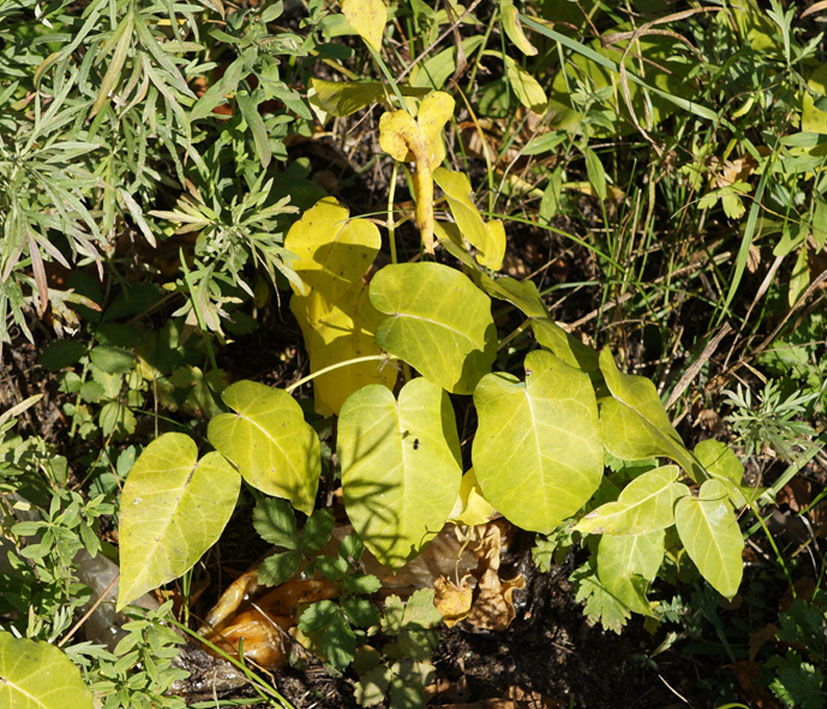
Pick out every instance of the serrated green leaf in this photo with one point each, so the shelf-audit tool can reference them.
(277, 568)
(372, 686)
(538, 441)
(173, 508)
(709, 530)
(361, 612)
(362, 583)
(599, 605)
(634, 422)
(275, 523)
(317, 531)
(400, 466)
(645, 505)
(112, 360)
(270, 443)
(37, 675)
(440, 323)
(626, 565)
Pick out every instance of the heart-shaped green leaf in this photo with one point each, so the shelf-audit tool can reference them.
(626, 565)
(400, 466)
(709, 530)
(645, 505)
(37, 675)
(634, 422)
(537, 453)
(173, 508)
(267, 438)
(440, 323)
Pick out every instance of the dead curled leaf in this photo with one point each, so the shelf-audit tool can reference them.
(419, 141)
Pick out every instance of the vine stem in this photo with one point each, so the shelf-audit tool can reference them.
(345, 363)
(391, 223)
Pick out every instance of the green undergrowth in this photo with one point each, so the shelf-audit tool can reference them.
(561, 263)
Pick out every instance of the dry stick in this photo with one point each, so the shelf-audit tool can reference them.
(91, 610)
(694, 368)
(633, 38)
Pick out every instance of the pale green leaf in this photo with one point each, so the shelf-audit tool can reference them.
(513, 30)
(249, 111)
(439, 323)
(565, 345)
(645, 505)
(709, 530)
(269, 442)
(525, 86)
(173, 508)
(37, 675)
(487, 239)
(400, 466)
(341, 98)
(634, 422)
(720, 462)
(800, 277)
(522, 294)
(596, 173)
(626, 565)
(537, 453)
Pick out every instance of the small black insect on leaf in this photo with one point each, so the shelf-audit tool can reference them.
(416, 444)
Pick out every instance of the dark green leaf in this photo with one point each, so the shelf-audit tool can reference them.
(275, 523)
(276, 569)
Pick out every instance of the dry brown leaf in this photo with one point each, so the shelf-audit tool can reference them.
(759, 638)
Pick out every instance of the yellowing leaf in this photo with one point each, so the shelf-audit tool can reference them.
(269, 442)
(471, 508)
(453, 602)
(336, 332)
(513, 30)
(812, 119)
(420, 141)
(38, 675)
(173, 508)
(368, 18)
(400, 466)
(489, 239)
(525, 86)
(336, 317)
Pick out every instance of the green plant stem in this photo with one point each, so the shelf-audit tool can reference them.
(778, 556)
(391, 223)
(256, 682)
(197, 310)
(384, 69)
(345, 363)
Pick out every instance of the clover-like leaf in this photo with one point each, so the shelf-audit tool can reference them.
(537, 453)
(38, 675)
(645, 505)
(634, 422)
(400, 466)
(269, 442)
(709, 530)
(440, 322)
(173, 508)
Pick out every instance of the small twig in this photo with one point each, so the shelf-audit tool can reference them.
(695, 367)
(91, 610)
